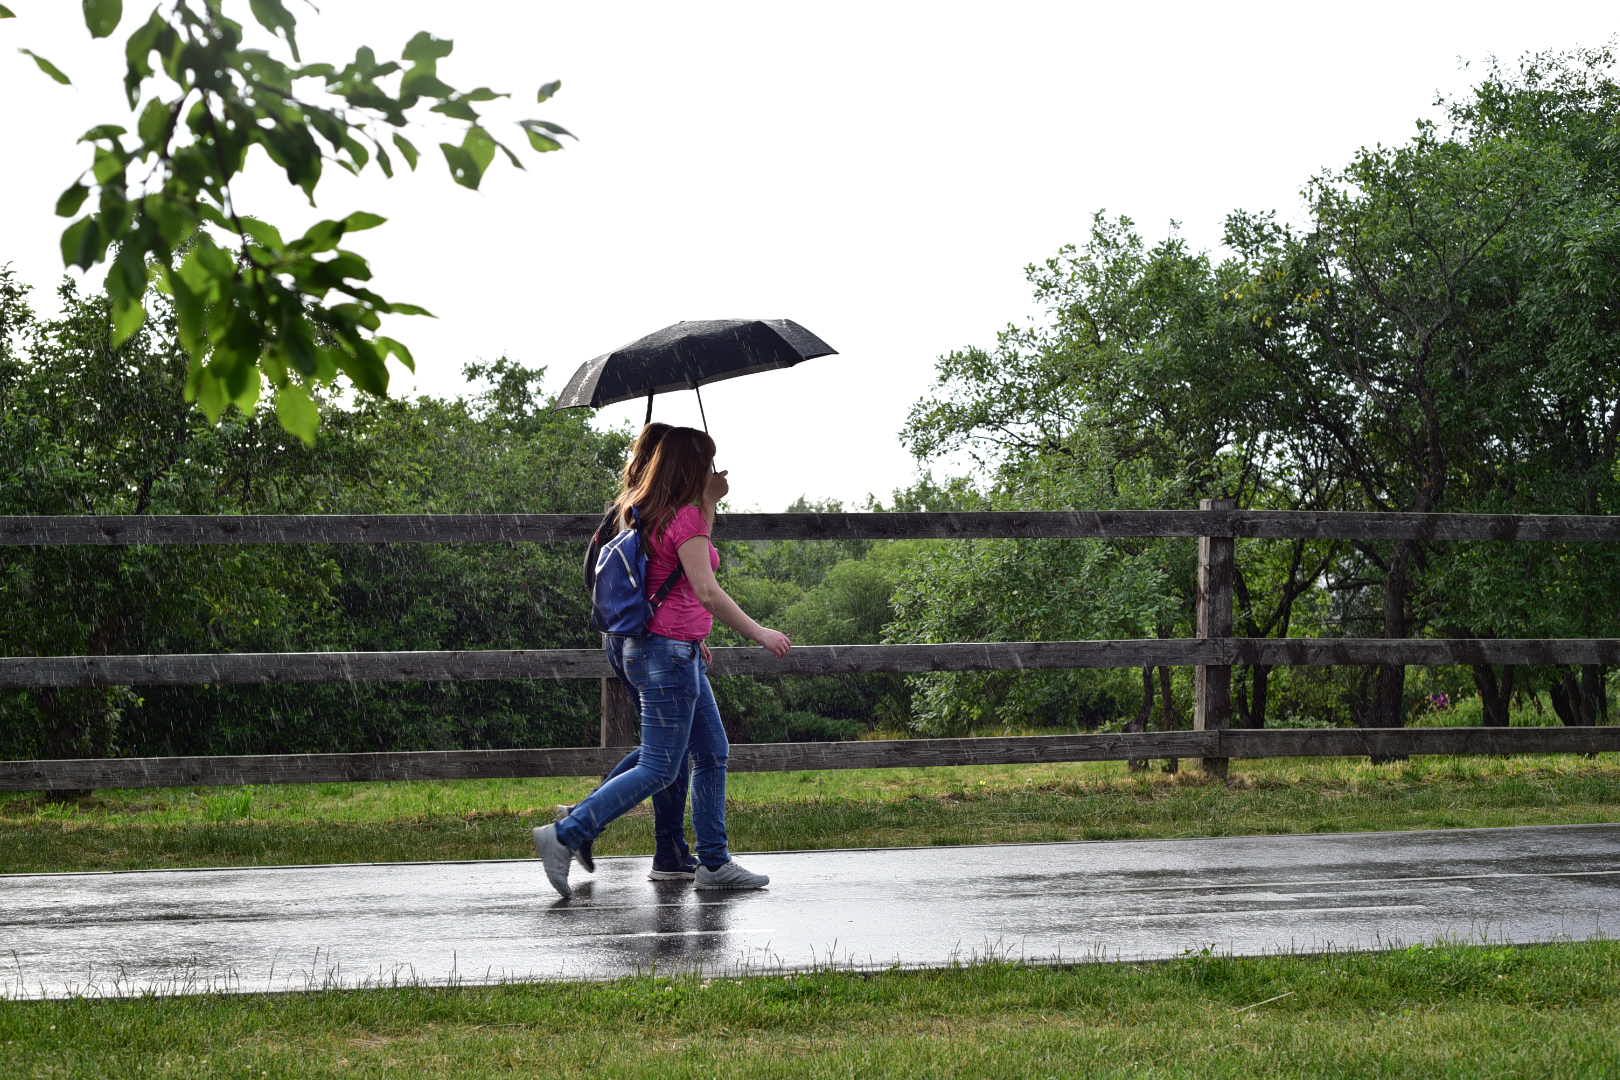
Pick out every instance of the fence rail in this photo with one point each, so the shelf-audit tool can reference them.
(102, 530)
(220, 669)
(1217, 525)
(79, 774)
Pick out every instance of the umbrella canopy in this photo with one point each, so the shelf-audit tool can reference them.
(687, 355)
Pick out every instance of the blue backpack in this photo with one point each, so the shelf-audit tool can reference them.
(616, 575)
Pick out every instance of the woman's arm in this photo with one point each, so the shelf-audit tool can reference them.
(694, 555)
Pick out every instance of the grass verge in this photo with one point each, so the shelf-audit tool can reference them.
(1425, 1012)
(384, 822)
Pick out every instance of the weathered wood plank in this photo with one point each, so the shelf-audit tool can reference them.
(101, 773)
(189, 669)
(1328, 652)
(1376, 742)
(1212, 684)
(548, 528)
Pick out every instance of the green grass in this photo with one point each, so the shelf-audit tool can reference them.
(383, 822)
(1424, 1012)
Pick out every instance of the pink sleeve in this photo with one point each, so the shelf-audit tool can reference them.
(688, 522)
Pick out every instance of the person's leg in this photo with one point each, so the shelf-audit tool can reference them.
(665, 675)
(709, 753)
(671, 857)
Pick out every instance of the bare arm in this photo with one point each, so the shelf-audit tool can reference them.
(694, 555)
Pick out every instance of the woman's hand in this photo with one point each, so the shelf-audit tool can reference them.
(774, 641)
(703, 648)
(716, 487)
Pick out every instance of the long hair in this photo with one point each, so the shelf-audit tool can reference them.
(641, 452)
(674, 477)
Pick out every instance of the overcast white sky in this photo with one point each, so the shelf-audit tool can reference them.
(880, 172)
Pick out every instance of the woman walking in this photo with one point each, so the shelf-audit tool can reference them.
(672, 859)
(669, 668)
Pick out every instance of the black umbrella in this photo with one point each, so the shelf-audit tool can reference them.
(687, 355)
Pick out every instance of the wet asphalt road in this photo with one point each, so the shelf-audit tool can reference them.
(300, 928)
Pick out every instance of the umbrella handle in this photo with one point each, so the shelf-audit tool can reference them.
(647, 421)
(699, 394)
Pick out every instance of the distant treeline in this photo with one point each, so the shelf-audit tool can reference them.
(1441, 334)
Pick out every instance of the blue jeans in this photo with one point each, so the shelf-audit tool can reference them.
(669, 804)
(678, 717)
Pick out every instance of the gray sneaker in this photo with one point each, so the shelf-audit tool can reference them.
(582, 854)
(729, 876)
(555, 856)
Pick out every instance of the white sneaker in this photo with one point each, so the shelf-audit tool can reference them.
(555, 856)
(729, 876)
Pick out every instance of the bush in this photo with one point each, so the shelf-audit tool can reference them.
(801, 727)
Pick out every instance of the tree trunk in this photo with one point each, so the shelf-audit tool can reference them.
(1493, 694)
(1391, 687)
(1170, 721)
(1262, 690)
(1594, 696)
(1580, 700)
(1142, 714)
(1389, 693)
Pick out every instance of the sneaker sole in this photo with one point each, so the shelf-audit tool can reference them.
(671, 875)
(731, 888)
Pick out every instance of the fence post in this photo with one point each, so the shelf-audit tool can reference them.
(1213, 683)
(621, 718)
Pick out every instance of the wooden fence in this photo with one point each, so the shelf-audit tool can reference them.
(1217, 527)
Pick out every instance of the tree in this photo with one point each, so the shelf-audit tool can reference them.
(1443, 334)
(251, 304)
(87, 428)
(1440, 335)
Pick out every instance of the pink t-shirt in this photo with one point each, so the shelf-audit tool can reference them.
(681, 616)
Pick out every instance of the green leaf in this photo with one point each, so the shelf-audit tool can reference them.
(273, 16)
(361, 220)
(547, 125)
(542, 142)
(138, 53)
(5, 12)
(108, 165)
(297, 413)
(547, 90)
(480, 144)
(47, 67)
(154, 122)
(424, 47)
(456, 109)
(389, 345)
(409, 309)
(266, 234)
(82, 243)
(407, 150)
(71, 199)
(110, 132)
(207, 389)
(102, 16)
(363, 363)
(172, 216)
(191, 313)
(463, 168)
(128, 315)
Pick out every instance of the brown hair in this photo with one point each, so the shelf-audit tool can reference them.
(641, 452)
(674, 477)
